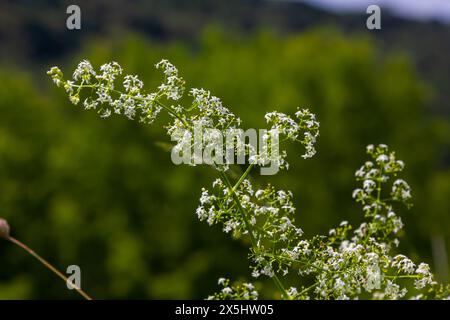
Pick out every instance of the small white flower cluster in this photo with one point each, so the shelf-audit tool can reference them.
(343, 269)
(391, 291)
(401, 190)
(267, 212)
(203, 127)
(83, 72)
(403, 264)
(423, 275)
(377, 172)
(377, 204)
(207, 117)
(173, 86)
(343, 265)
(211, 112)
(238, 291)
(108, 99)
(304, 130)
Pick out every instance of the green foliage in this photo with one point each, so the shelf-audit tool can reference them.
(103, 195)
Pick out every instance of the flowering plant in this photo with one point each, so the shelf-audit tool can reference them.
(345, 264)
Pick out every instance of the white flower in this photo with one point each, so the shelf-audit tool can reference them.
(426, 277)
(292, 291)
(358, 194)
(369, 185)
(106, 113)
(401, 190)
(404, 264)
(259, 194)
(292, 129)
(392, 290)
(227, 290)
(382, 158)
(84, 71)
(373, 276)
(132, 84)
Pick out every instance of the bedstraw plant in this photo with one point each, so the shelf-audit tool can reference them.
(347, 263)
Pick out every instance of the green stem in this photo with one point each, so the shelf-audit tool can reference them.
(377, 201)
(168, 109)
(413, 276)
(280, 286)
(247, 222)
(239, 205)
(309, 288)
(246, 173)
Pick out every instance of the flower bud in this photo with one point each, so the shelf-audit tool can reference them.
(4, 228)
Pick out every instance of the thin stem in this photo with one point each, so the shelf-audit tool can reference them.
(377, 201)
(49, 266)
(309, 288)
(168, 109)
(246, 173)
(248, 226)
(240, 209)
(305, 262)
(280, 286)
(410, 276)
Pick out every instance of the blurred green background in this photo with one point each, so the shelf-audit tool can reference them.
(103, 194)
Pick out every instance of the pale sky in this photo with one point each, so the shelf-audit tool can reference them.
(415, 9)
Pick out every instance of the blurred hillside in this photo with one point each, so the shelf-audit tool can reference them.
(33, 31)
(103, 194)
